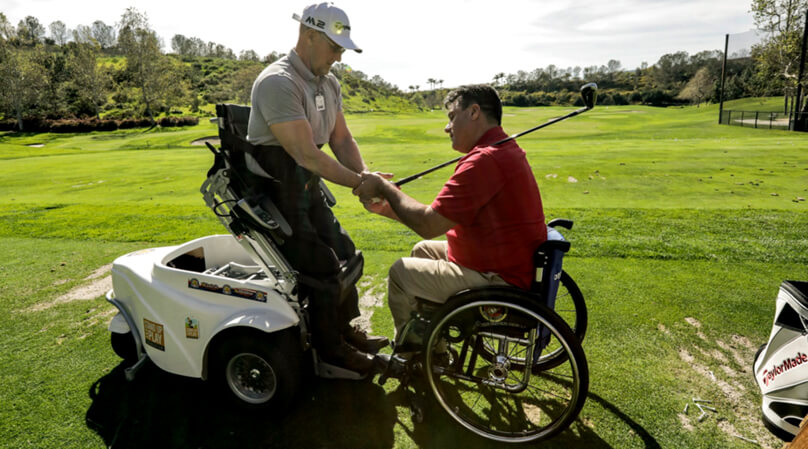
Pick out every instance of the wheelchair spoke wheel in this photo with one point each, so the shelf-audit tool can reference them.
(476, 354)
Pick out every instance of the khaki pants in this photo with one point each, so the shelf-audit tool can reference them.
(428, 275)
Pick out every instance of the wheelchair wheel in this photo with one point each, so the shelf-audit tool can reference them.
(491, 393)
(570, 306)
(258, 371)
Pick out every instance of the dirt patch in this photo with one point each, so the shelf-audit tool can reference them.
(213, 140)
(661, 327)
(685, 422)
(685, 356)
(743, 341)
(739, 359)
(101, 283)
(693, 322)
(372, 298)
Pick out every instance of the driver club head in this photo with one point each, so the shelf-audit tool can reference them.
(589, 93)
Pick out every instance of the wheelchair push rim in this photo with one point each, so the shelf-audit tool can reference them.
(495, 397)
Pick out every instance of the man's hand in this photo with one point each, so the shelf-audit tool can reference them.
(370, 189)
(370, 193)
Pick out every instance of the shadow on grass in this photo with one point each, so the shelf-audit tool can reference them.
(439, 431)
(158, 409)
(163, 410)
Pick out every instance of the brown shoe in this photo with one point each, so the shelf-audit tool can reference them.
(350, 358)
(360, 339)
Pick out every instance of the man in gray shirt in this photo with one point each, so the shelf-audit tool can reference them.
(296, 109)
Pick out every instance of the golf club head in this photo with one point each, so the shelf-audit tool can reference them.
(589, 93)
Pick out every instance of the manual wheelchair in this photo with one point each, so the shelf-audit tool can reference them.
(501, 361)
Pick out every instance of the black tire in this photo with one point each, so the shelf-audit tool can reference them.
(257, 370)
(571, 307)
(123, 345)
(492, 394)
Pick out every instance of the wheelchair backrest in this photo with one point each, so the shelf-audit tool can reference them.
(548, 263)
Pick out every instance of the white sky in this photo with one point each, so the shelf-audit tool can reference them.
(458, 41)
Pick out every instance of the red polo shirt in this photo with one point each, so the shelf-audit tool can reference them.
(495, 201)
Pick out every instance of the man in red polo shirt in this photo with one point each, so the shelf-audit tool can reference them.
(490, 210)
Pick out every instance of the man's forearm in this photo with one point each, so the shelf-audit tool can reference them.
(412, 213)
(330, 169)
(347, 153)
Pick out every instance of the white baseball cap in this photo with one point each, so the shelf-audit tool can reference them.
(330, 20)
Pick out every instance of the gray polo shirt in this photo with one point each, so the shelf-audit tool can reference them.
(285, 91)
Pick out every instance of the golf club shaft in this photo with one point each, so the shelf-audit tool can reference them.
(403, 181)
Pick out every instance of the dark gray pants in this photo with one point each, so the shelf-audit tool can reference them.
(318, 247)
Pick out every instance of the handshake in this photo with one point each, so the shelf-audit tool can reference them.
(373, 192)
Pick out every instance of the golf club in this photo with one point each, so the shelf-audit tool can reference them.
(589, 94)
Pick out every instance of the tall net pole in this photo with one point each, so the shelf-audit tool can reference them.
(723, 75)
(800, 122)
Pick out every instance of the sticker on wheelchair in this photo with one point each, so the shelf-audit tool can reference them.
(494, 314)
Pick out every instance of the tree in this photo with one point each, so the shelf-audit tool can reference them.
(22, 82)
(180, 45)
(242, 81)
(59, 32)
(103, 34)
(6, 29)
(777, 58)
(248, 55)
(83, 34)
(88, 83)
(699, 87)
(30, 31)
(141, 47)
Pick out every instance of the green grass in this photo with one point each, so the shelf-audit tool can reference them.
(684, 230)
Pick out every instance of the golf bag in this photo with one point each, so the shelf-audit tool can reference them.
(781, 365)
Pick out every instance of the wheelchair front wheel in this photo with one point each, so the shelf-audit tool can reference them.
(475, 356)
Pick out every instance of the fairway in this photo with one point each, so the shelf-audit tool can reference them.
(684, 230)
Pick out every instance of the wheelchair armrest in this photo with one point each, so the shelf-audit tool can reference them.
(267, 216)
(329, 197)
(351, 270)
(548, 249)
(563, 222)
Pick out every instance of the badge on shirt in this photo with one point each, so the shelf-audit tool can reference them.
(319, 102)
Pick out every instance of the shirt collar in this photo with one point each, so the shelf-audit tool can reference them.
(491, 136)
(301, 68)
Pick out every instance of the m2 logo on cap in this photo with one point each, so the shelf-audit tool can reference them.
(315, 22)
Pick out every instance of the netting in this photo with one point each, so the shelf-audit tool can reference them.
(740, 45)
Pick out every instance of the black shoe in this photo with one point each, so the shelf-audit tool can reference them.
(360, 339)
(350, 358)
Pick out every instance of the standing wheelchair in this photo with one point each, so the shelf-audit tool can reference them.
(505, 363)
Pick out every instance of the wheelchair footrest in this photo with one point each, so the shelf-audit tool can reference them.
(329, 371)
